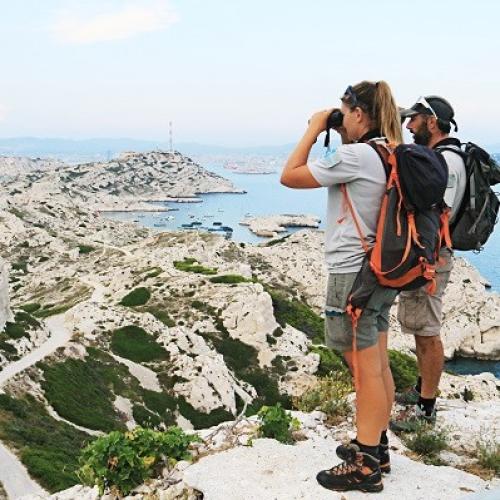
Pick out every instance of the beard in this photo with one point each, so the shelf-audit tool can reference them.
(422, 135)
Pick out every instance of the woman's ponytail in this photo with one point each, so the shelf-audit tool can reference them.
(386, 113)
(376, 99)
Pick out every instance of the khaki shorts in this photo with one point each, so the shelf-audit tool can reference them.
(420, 313)
(338, 326)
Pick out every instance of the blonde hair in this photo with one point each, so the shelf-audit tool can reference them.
(376, 99)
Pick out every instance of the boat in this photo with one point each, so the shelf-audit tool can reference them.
(217, 224)
(227, 229)
(196, 223)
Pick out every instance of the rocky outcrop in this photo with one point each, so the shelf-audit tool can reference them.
(471, 314)
(271, 225)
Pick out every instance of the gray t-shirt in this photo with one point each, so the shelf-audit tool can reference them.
(361, 169)
(457, 179)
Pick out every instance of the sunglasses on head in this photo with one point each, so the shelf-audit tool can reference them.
(423, 102)
(351, 98)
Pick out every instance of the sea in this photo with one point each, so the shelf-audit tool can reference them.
(264, 195)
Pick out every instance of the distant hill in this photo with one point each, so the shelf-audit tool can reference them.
(106, 148)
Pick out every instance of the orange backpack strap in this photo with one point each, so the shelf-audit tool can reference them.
(348, 202)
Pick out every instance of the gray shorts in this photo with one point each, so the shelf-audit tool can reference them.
(338, 326)
(420, 313)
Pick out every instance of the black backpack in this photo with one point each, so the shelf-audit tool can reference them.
(478, 212)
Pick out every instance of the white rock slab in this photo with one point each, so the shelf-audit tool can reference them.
(271, 471)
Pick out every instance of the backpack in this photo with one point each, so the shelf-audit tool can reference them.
(411, 228)
(477, 215)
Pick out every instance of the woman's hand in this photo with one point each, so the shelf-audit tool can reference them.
(317, 122)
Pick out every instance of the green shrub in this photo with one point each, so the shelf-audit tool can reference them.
(83, 249)
(329, 395)
(137, 297)
(121, 461)
(277, 423)
(330, 360)
(298, 315)
(23, 322)
(21, 265)
(189, 265)
(48, 448)
(30, 308)
(229, 279)
(404, 370)
(427, 441)
(488, 456)
(133, 343)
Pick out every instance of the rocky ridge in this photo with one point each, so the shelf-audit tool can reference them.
(211, 311)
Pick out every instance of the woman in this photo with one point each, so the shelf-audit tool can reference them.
(369, 114)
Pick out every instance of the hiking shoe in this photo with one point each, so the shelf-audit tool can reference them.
(344, 451)
(411, 420)
(384, 458)
(360, 471)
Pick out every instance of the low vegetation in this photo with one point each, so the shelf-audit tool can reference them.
(134, 343)
(190, 265)
(23, 323)
(121, 461)
(329, 395)
(137, 297)
(488, 456)
(230, 279)
(83, 390)
(297, 314)
(404, 370)
(160, 314)
(427, 441)
(330, 361)
(277, 423)
(84, 249)
(48, 448)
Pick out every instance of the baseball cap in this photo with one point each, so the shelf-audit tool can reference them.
(432, 105)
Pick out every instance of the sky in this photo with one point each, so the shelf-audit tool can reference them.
(235, 72)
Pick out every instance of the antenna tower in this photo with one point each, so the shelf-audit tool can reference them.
(170, 136)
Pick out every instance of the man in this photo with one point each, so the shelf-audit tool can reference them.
(419, 313)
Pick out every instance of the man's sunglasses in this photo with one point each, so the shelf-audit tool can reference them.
(423, 102)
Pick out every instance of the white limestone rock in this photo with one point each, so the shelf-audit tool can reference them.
(271, 225)
(5, 312)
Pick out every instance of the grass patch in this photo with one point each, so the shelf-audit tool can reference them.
(191, 266)
(488, 456)
(134, 343)
(48, 448)
(229, 279)
(330, 396)
(137, 297)
(298, 315)
(426, 441)
(404, 370)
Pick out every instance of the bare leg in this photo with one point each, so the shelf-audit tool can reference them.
(371, 399)
(386, 375)
(430, 357)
